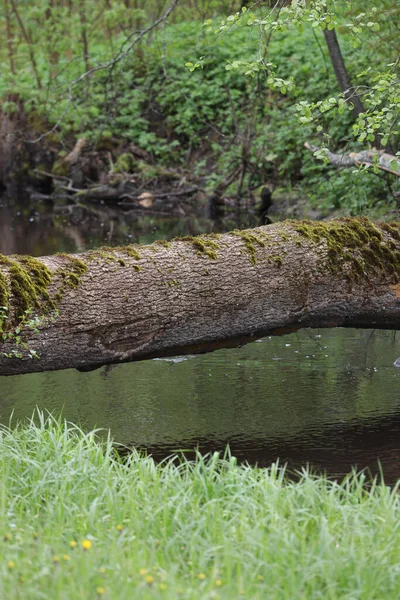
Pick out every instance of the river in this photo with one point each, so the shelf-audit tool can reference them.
(328, 399)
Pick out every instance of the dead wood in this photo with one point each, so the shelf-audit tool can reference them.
(199, 294)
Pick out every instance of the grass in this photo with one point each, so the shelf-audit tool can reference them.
(77, 522)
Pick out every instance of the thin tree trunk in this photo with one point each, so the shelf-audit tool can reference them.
(199, 294)
(52, 53)
(344, 81)
(29, 43)
(129, 12)
(85, 43)
(10, 46)
(341, 72)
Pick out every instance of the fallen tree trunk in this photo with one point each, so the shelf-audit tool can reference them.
(197, 294)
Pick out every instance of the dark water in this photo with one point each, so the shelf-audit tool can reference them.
(326, 398)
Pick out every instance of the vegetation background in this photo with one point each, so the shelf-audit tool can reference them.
(66, 74)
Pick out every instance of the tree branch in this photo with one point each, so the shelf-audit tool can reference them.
(376, 158)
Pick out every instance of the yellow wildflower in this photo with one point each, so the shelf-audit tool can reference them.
(65, 557)
(56, 559)
(142, 571)
(11, 564)
(149, 579)
(72, 544)
(218, 582)
(7, 537)
(100, 590)
(86, 544)
(119, 528)
(201, 576)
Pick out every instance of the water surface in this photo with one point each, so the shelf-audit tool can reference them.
(329, 399)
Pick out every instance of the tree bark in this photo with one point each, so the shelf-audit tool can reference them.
(199, 294)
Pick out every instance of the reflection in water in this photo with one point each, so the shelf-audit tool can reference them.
(40, 230)
(371, 445)
(329, 398)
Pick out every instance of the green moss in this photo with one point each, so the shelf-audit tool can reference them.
(164, 243)
(106, 257)
(275, 260)
(148, 172)
(110, 255)
(392, 229)
(203, 245)
(207, 247)
(60, 167)
(73, 271)
(130, 251)
(39, 272)
(4, 293)
(125, 163)
(29, 280)
(356, 247)
(172, 282)
(251, 240)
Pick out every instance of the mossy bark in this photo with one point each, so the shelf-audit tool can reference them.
(198, 294)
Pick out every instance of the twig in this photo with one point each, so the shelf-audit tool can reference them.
(52, 175)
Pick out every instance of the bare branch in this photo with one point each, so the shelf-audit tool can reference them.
(376, 158)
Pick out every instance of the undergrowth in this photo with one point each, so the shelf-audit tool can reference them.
(213, 120)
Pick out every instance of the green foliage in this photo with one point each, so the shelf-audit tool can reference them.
(235, 103)
(14, 334)
(349, 192)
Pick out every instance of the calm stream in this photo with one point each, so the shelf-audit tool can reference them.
(327, 398)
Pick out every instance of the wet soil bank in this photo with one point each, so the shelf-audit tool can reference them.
(71, 174)
(35, 162)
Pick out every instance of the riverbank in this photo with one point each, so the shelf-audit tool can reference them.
(156, 135)
(78, 522)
